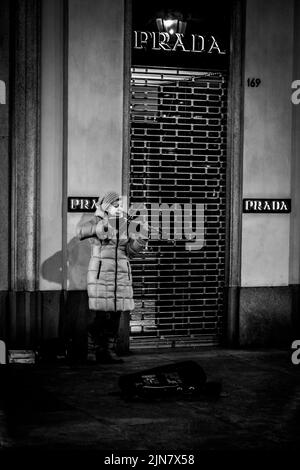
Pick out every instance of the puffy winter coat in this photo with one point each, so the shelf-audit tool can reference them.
(109, 280)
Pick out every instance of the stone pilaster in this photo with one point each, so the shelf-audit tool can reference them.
(25, 149)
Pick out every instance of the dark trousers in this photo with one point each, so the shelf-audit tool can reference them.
(103, 330)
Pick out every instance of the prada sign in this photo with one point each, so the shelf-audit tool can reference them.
(267, 206)
(82, 204)
(178, 42)
(181, 34)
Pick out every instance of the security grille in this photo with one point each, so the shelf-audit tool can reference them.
(178, 156)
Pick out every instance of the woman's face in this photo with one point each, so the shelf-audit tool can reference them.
(115, 209)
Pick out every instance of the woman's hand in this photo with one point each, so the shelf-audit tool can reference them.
(99, 212)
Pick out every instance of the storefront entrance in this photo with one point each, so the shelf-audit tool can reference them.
(178, 121)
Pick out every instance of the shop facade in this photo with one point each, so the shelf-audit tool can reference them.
(104, 95)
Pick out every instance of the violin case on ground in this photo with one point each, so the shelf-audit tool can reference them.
(185, 379)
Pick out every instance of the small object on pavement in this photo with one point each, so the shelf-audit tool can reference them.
(2, 352)
(21, 356)
(185, 379)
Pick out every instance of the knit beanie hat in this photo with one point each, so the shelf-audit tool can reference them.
(108, 199)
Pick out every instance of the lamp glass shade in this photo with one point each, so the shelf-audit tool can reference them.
(170, 26)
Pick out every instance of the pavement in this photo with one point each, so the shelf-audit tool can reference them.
(52, 407)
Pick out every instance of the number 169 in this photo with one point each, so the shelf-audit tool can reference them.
(253, 82)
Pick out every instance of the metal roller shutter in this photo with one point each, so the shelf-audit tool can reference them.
(178, 155)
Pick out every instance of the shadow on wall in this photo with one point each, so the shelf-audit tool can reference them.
(78, 256)
(64, 316)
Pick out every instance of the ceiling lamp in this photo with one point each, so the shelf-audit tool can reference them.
(170, 25)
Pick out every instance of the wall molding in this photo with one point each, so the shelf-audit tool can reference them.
(126, 97)
(4, 146)
(25, 144)
(294, 277)
(268, 316)
(235, 170)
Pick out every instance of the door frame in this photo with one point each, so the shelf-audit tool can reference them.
(234, 176)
